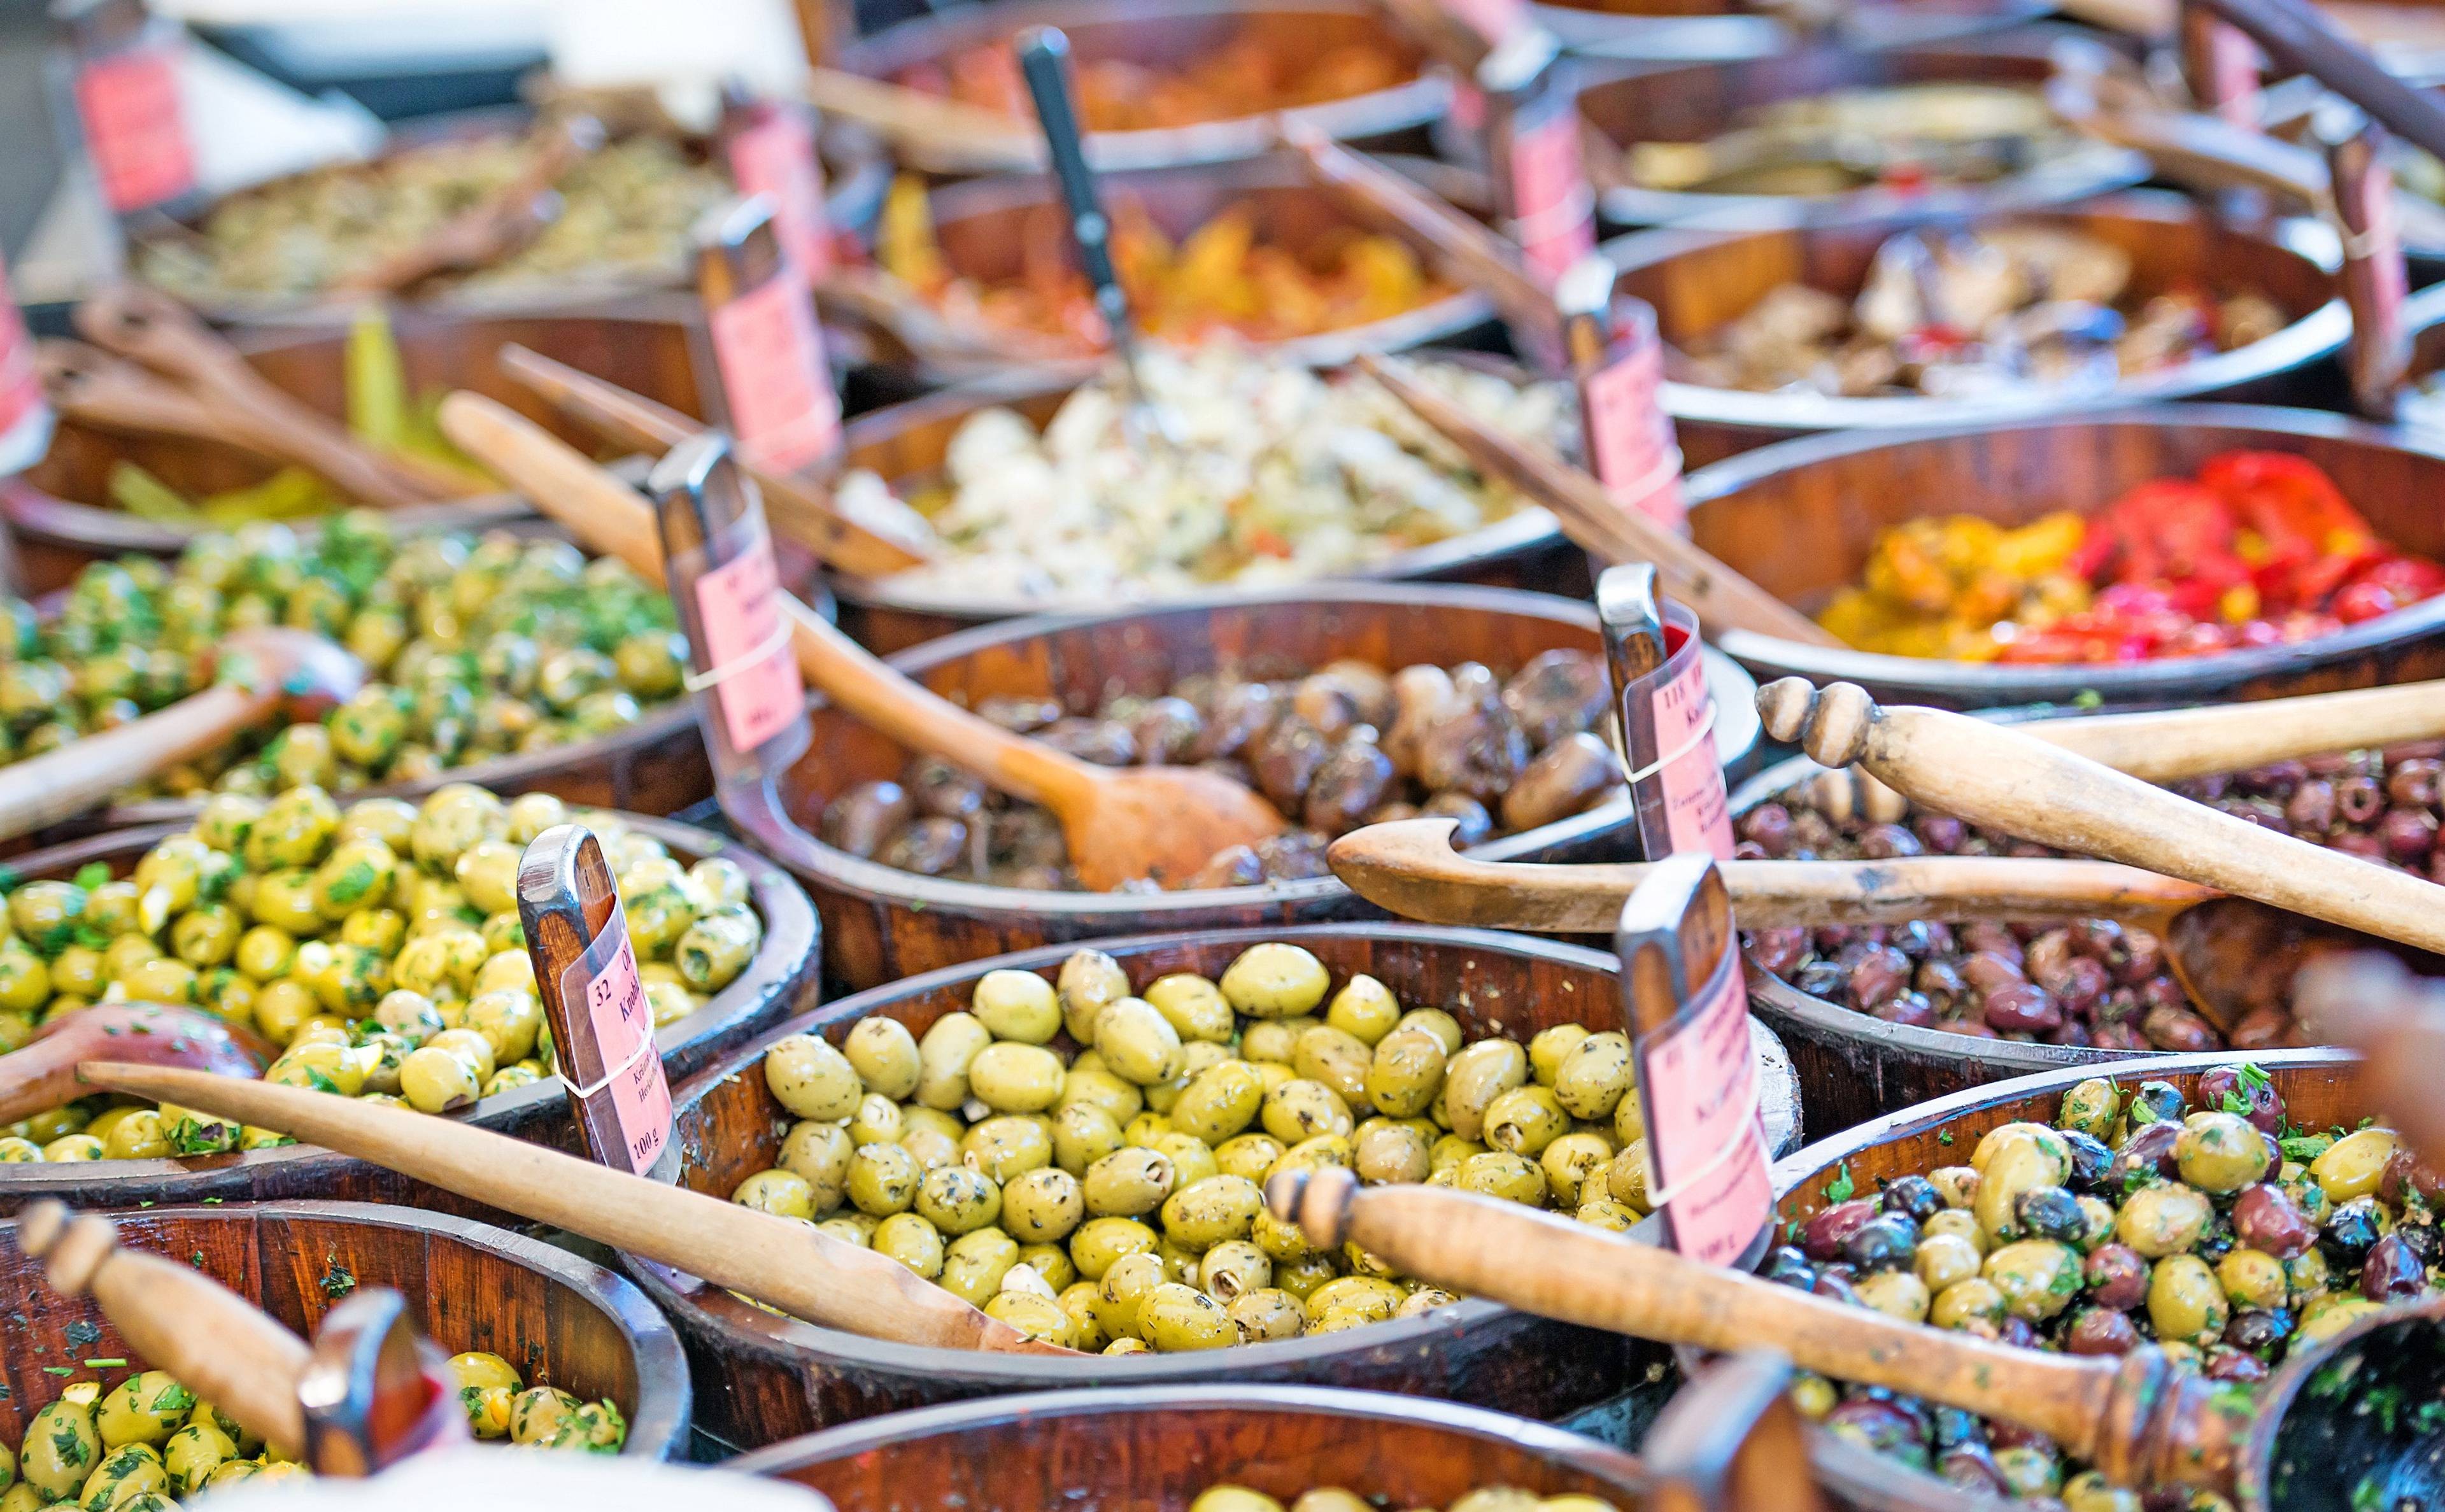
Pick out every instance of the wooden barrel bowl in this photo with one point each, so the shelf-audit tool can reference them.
(780, 980)
(654, 766)
(1167, 34)
(856, 170)
(1800, 518)
(559, 1319)
(2321, 1087)
(1695, 102)
(1148, 1449)
(881, 924)
(1698, 279)
(904, 443)
(767, 1377)
(1715, 31)
(986, 225)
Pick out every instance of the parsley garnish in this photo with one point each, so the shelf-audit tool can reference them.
(106, 1364)
(2385, 1402)
(67, 1443)
(82, 1333)
(2142, 1111)
(59, 1370)
(339, 1280)
(173, 1398)
(93, 874)
(1842, 1187)
(1944, 1136)
(2253, 1078)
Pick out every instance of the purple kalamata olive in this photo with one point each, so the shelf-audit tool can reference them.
(2359, 800)
(2356, 842)
(2254, 1097)
(2177, 1029)
(1940, 979)
(1915, 1197)
(2149, 1148)
(1970, 1467)
(1880, 973)
(2414, 782)
(2408, 835)
(1941, 833)
(2223, 1363)
(2143, 957)
(1882, 1427)
(2022, 1335)
(1769, 826)
(865, 818)
(2083, 985)
(2020, 1009)
(2276, 776)
(1987, 970)
(2392, 1272)
(1474, 824)
(2258, 1330)
(2050, 1212)
(2351, 1232)
(1836, 1288)
(1910, 1010)
(1826, 1231)
(1776, 952)
(2119, 1036)
(2312, 808)
(2048, 956)
(2097, 939)
(1887, 842)
(1165, 730)
(1922, 937)
(1105, 742)
(1884, 1243)
(2117, 1277)
(2101, 1331)
(2404, 1174)
(1992, 939)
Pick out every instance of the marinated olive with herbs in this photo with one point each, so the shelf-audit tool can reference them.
(367, 961)
(2143, 1217)
(1118, 1173)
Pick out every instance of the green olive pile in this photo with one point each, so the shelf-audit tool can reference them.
(379, 943)
(499, 1404)
(149, 1441)
(1334, 1499)
(2213, 1229)
(1109, 1198)
(473, 649)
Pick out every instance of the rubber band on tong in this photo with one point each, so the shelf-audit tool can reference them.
(714, 677)
(1705, 729)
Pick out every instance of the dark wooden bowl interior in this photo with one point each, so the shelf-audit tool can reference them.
(881, 924)
(559, 1320)
(1156, 1450)
(1801, 518)
(781, 980)
(779, 1376)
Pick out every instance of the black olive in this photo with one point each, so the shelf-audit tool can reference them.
(1954, 1426)
(1790, 1267)
(2352, 1230)
(1914, 1197)
(2259, 1330)
(2161, 1099)
(2219, 1238)
(2392, 1272)
(2090, 1159)
(1880, 1427)
(1823, 978)
(2050, 1212)
(1970, 1467)
(2148, 1151)
(1884, 1243)
(2424, 1240)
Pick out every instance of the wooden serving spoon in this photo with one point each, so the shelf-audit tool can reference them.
(504, 221)
(2140, 1420)
(262, 673)
(803, 511)
(149, 328)
(1597, 523)
(368, 1393)
(40, 1074)
(1122, 824)
(2228, 953)
(933, 131)
(1994, 775)
(90, 386)
(180, 1321)
(777, 1260)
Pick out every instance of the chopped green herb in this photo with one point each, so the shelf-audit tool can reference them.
(59, 1370)
(82, 1333)
(93, 874)
(2368, 1496)
(113, 1362)
(1842, 1187)
(2304, 1147)
(2385, 1403)
(2141, 1113)
(1944, 1136)
(339, 1280)
(2088, 698)
(68, 1444)
(2255, 1079)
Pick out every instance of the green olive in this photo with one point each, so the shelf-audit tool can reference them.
(2038, 1278)
(1193, 1005)
(1211, 1211)
(943, 1057)
(1099, 1241)
(976, 1264)
(1015, 1077)
(144, 1408)
(1006, 1146)
(956, 1200)
(1475, 1077)
(1274, 981)
(1043, 1207)
(1594, 1077)
(2220, 1153)
(192, 1454)
(2164, 1217)
(1128, 1183)
(1088, 982)
(60, 1447)
(819, 1154)
(912, 1241)
(2184, 1301)
(1175, 1318)
(1384, 1151)
(883, 1179)
(812, 1079)
(1406, 1073)
(1220, 1102)
(1340, 1061)
(1016, 1005)
(1524, 1120)
(885, 1056)
(1137, 1043)
(2354, 1164)
(1297, 1110)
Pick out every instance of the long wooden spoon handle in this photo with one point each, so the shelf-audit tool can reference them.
(501, 223)
(609, 516)
(1993, 774)
(2232, 737)
(802, 511)
(788, 1264)
(945, 133)
(1409, 868)
(180, 1321)
(63, 783)
(1592, 519)
(88, 384)
(1547, 1264)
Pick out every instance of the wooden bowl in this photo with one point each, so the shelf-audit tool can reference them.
(1696, 101)
(1698, 279)
(59, 510)
(881, 924)
(1143, 1449)
(558, 1319)
(1171, 33)
(856, 170)
(768, 1377)
(1798, 518)
(906, 442)
(1715, 31)
(2319, 1088)
(985, 226)
(780, 980)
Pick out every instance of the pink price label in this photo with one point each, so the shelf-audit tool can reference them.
(1552, 212)
(1628, 436)
(21, 386)
(1704, 1139)
(759, 690)
(771, 354)
(777, 157)
(605, 985)
(1698, 813)
(135, 127)
(2380, 248)
(2232, 73)
(1467, 106)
